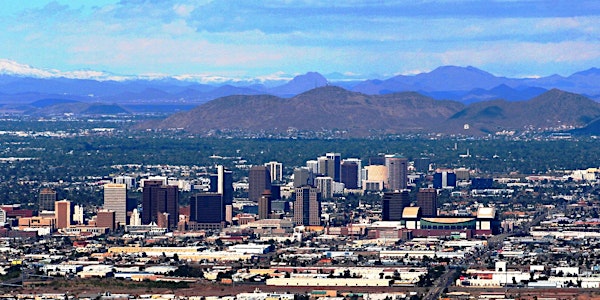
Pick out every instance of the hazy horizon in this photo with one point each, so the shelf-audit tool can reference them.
(252, 39)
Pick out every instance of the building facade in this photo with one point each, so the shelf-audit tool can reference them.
(307, 207)
(63, 211)
(259, 180)
(115, 199)
(393, 204)
(160, 199)
(397, 172)
(276, 171)
(427, 201)
(46, 199)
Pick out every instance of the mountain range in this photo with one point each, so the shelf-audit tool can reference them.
(358, 114)
(22, 84)
(449, 99)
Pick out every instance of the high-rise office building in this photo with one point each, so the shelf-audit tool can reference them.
(444, 179)
(135, 219)
(393, 205)
(313, 166)
(106, 218)
(276, 171)
(129, 181)
(397, 172)
(207, 208)
(307, 207)
(259, 180)
(78, 215)
(158, 198)
(324, 186)
(376, 161)
(427, 202)
(63, 211)
(301, 177)
(422, 164)
(222, 183)
(377, 173)
(350, 173)
(334, 165)
(322, 165)
(46, 199)
(264, 205)
(225, 186)
(115, 199)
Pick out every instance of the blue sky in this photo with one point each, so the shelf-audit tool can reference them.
(234, 38)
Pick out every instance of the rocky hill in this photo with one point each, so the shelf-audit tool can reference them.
(333, 108)
(326, 107)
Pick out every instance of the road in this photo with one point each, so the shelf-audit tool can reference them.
(494, 243)
(440, 285)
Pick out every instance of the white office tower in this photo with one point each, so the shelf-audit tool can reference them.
(135, 218)
(313, 166)
(324, 186)
(220, 179)
(276, 169)
(78, 214)
(115, 199)
(129, 181)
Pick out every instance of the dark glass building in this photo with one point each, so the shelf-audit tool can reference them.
(259, 180)
(393, 205)
(158, 198)
(427, 202)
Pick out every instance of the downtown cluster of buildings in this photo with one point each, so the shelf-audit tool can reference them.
(278, 228)
(301, 199)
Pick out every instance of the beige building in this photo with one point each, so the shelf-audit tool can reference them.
(115, 199)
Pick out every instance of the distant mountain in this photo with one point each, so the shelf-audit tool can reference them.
(42, 103)
(299, 84)
(21, 84)
(326, 107)
(447, 78)
(59, 107)
(502, 91)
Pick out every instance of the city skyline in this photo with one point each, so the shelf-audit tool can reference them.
(359, 39)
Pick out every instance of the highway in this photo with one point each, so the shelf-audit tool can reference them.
(494, 243)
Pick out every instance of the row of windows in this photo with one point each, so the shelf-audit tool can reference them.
(447, 227)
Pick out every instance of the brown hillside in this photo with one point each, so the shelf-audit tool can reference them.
(321, 108)
(552, 109)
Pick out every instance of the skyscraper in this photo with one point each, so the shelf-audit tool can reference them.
(422, 164)
(106, 218)
(264, 205)
(427, 202)
(46, 199)
(259, 180)
(207, 208)
(301, 177)
(444, 179)
(115, 199)
(393, 205)
(276, 171)
(397, 172)
(350, 173)
(159, 199)
(307, 207)
(334, 165)
(313, 166)
(324, 186)
(222, 183)
(63, 211)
